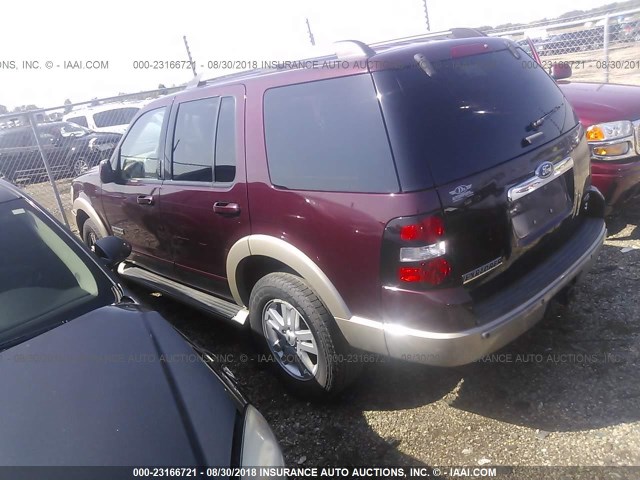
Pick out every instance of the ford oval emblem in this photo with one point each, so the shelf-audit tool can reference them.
(544, 170)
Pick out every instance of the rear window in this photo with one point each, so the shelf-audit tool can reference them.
(117, 116)
(329, 136)
(473, 113)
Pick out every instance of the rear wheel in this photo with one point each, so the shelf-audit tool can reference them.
(301, 338)
(90, 233)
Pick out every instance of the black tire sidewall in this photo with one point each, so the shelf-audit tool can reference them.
(316, 320)
(87, 228)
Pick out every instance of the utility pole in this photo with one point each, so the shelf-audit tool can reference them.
(426, 14)
(191, 62)
(311, 39)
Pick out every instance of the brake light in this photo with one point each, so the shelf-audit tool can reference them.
(436, 271)
(429, 230)
(414, 250)
(433, 272)
(410, 274)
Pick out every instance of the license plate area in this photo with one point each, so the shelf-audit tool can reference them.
(538, 211)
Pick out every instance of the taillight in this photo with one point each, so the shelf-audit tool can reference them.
(413, 252)
(428, 230)
(433, 272)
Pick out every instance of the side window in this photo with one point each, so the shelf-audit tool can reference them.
(139, 153)
(194, 140)
(82, 121)
(225, 159)
(328, 135)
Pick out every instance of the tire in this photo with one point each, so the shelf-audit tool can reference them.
(318, 376)
(90, 233)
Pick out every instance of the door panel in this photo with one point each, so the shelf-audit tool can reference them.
(205, 218)
(132, 204)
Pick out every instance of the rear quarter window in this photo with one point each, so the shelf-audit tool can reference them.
(328, 135)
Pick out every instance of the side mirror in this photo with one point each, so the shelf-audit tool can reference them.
(107, 175)
(112, 250)
(560, 71)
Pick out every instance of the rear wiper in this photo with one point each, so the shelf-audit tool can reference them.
(538, 123)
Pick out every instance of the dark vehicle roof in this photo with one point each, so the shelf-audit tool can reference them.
(391, 54)
(8, 192)
(95, 391)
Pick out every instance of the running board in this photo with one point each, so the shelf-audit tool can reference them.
(185, 294)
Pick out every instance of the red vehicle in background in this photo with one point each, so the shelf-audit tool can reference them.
(610, 115)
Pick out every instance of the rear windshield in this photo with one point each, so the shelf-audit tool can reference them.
(117, 116)
(470, 114)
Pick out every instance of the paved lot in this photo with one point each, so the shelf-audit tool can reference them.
(566, 393)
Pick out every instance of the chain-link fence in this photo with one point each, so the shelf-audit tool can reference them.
(41, 151)
(603, 48)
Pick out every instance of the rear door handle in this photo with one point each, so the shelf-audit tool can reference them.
(226, 208)
(145, 200)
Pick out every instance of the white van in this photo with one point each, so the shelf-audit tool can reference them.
(111, 117)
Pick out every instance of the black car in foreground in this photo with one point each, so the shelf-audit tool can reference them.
(69, 148)
(90, 377)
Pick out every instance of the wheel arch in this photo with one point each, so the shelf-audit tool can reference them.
(83, 208)
(281, 256)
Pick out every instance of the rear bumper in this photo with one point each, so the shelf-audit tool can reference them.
(465, 346)
(617, 181)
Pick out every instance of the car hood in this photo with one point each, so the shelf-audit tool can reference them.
(602, 102)
(118, 386)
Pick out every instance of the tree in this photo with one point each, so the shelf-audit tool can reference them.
(3, 110)
(163, 89)
(25, 108)
(67, 107)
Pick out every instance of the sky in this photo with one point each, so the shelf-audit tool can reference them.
(118, 33)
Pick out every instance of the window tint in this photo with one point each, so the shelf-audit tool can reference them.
(472, 114)
(37, 262)
(193, 140)
(328, 135)
(82, 121)
(22, 137)
(225, 160)
(117, 116)
(139, 153)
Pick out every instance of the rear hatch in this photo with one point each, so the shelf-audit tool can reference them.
(497, 140)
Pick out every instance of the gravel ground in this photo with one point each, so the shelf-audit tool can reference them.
(566, 393)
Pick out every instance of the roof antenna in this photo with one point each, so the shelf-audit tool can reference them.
(424, 64)
(191, 62)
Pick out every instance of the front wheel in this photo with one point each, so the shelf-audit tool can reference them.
(90, 233)
(298, 334)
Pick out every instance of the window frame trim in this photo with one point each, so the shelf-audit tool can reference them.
(161, 147)
(168, 159)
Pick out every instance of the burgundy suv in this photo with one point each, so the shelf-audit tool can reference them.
(423, 201)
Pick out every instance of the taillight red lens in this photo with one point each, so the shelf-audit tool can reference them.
(410, 274)
(429, 230)
(433, 272)
(433, 229)
(436, 271)
(410, 232)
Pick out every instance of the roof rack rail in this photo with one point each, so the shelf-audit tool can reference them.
(451, 33)
(352, 49)
(195, 82)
